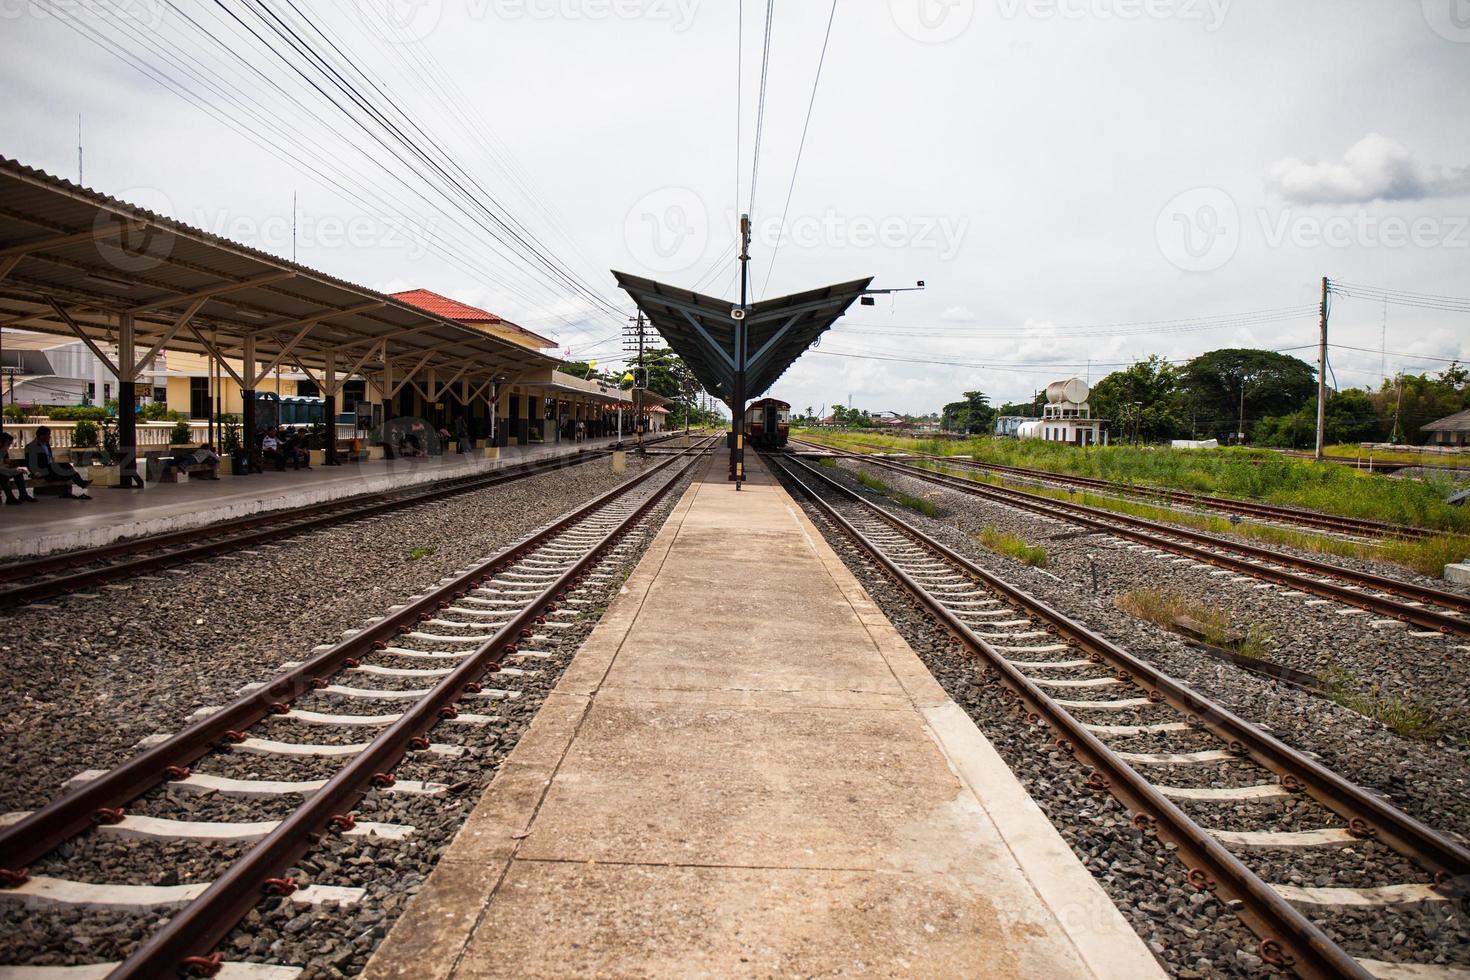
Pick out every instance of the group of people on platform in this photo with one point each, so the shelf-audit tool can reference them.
(285, 446)
(40, 464)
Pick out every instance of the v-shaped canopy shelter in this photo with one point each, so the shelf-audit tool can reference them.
(702, 332)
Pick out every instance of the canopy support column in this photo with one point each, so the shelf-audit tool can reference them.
(247, 406)
(127, 417)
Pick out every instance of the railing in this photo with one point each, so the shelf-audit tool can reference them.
(151, 435)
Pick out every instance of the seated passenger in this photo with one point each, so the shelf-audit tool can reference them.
(206, 456)
(43, 465)
(270, 448)
(13, 476)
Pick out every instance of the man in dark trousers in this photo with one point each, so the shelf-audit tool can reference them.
(43, 465)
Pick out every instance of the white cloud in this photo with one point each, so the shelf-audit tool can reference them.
(957, 314)
(1373, 169)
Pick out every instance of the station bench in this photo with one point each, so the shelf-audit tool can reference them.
(178, 465)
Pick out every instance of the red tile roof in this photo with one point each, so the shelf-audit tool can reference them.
(431, 301)
(453, 309)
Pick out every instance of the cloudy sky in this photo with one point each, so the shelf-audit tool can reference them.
(1075, 180)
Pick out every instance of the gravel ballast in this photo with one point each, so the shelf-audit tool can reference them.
(1138, 871)
(329, 941)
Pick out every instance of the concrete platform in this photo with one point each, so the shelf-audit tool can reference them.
(745, 771)
(114, 514)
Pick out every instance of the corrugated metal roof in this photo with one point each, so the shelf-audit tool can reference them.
(99, 258)
(1459, 422)
(701, 331)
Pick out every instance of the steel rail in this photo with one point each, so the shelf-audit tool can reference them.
(1439, 853)
(1287, 936)
(198, 927)
(30, 838)
(1250, 508)
(1157, 535)
(267, 526)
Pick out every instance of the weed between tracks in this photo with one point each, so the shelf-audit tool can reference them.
(1178, 613)
(1409, 717)
(925, 507)
(1012, 546)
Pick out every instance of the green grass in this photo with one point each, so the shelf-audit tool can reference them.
(1410, 717)
(1247, 474)
(1173, 610)
(1427, 556)
(421, 552)
(1011, 546)
(828, 461)
(925, 507)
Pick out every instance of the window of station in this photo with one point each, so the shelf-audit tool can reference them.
(198, 398)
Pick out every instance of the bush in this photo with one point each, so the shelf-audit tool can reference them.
(182, 435)
(84, 435)
(76, 413)
(15, 413)
(159, 412)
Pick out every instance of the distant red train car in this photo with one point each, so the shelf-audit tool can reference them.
(767, 423)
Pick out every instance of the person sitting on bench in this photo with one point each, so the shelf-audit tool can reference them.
(43, 465)
(206, 456)
(12, 476)
(270, 448)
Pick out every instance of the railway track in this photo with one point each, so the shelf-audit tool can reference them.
(1186, 767)
(445, 643)
(1433, 610)
(48, 576)
(1273, 513)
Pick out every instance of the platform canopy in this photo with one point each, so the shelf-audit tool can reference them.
(701, 331)
(79, 263)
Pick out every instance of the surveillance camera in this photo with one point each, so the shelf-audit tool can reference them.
(737, 313)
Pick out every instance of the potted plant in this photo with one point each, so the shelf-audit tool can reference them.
(104, 469)
(84, 443)
(232, 447)
(182, 434)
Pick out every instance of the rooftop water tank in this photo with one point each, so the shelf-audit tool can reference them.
(1072, 390)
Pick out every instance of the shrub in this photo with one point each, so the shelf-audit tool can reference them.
(15, 413)
(1009, 544)
(159, 412)
(76, 413)
(181, 434)
(84, 435)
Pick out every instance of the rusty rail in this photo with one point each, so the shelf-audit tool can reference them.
(1281, 927)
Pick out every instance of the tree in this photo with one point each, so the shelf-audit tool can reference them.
(1222, 385)
(1142, 400)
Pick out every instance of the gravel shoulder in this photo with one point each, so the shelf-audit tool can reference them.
(82, 680)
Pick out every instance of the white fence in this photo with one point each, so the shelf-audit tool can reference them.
(151, 435)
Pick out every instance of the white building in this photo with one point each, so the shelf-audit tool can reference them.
(1066, 417)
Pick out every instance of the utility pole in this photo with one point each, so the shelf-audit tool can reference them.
(1322, 375)
(631, 342)
(80, 182)
(737, 408)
